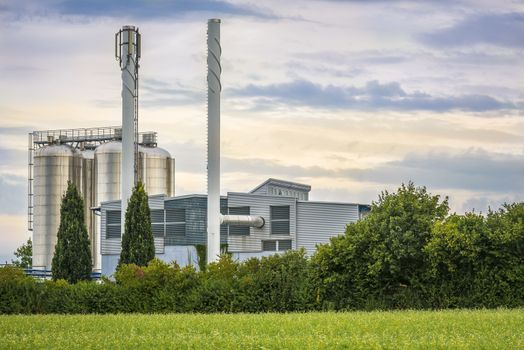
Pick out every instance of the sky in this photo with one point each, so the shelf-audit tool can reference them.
(352, 97)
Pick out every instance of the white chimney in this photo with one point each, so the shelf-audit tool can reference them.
(213, 139)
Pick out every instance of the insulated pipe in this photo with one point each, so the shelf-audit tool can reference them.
(243, 220)
(213, 139)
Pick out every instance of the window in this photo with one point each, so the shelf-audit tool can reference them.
(276, 245)
(239, 230)
(269, 246)
(280, 220)
(284, 245)
(175, 224)
(157, 222)
(113, 224)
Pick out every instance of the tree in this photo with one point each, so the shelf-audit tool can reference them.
(138, 245)
(24, 255)
(381, 258)
(72, 258)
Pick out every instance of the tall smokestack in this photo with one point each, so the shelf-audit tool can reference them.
(127, 52)
(213, 139)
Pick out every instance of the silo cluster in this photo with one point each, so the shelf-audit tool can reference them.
(95, 169)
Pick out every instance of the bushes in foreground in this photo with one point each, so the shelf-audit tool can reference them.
(407, 253)
(278, 283)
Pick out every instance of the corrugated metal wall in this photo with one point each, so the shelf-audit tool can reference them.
(260, 206)
(196, 220)
(317, 222)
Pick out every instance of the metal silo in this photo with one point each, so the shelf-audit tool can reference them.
(155, 169)
(54, 166)
(107, 165)
(158, 169)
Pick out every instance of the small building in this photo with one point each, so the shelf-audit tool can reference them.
(179, 223)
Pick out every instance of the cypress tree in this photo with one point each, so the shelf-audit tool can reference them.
(72, 258)
(138, 245)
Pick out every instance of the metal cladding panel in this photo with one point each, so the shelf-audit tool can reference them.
(108, 245)
(157, 203)
(260, 205)
(317, 222)
(261, 190)
(196, 220)
(113, 245)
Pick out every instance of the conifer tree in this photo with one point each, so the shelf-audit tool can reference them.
(138, 246)
(72, 258)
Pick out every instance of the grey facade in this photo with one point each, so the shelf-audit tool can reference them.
(179, 224)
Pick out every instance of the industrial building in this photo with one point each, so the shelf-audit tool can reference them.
(106, 162)
(290, 221)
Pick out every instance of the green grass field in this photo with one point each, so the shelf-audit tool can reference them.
(485, 329)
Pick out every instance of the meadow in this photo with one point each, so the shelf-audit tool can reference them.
(450, 329)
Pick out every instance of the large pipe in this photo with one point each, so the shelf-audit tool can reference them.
(213, 139)
(243, 220)
(128, 52)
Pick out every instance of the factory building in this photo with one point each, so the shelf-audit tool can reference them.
(291, 221)
(105, 163)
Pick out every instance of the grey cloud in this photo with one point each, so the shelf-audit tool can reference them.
(190, 157)
(373, 96)
(13, 200)
(365, 57)
(13, 157)
(324, 69)
(157, 93)
(15, 130)
(475, 170)
(500, 29)
(135, 8)
(483, 204)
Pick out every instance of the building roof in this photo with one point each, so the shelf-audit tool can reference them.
(283, 183)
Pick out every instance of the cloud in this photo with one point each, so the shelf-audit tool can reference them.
(136, 8)
(14, 194)
(157, 93)
(484, 204)
(475, 170)
(373, 96)
(499, 29)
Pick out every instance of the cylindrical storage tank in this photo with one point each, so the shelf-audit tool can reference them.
(157, 171)
(54, 166)
(155, 167)
(89, 195)
(107, 179)
(107, 165)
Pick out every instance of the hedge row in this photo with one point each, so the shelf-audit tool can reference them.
(409, 252)
(276, 283)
